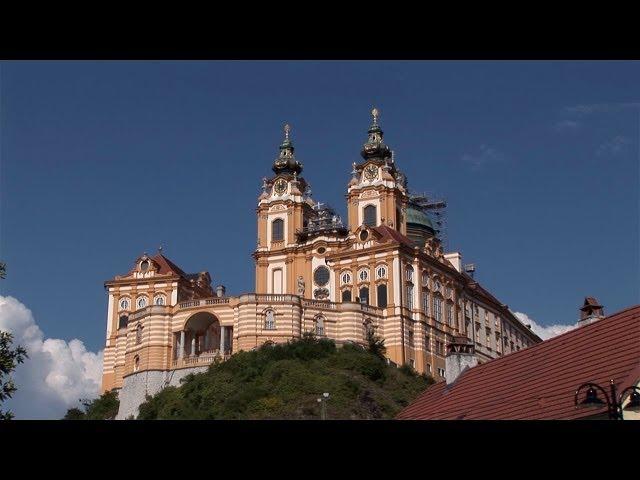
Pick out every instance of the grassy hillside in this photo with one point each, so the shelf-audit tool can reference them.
(284, 382)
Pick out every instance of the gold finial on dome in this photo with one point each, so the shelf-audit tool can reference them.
(375, 113)
(287, 129)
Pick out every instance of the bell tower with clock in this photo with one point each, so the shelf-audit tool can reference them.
(377, 193)
(282, 210)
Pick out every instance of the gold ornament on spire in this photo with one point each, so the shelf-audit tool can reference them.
(375, 113)
(287, 129)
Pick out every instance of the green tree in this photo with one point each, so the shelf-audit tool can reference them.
(9, 358)
(105, 407)
(375, 344)
(3, 270)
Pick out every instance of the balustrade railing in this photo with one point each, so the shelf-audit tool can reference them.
(204, 358)
(203, 301)
(322, 304)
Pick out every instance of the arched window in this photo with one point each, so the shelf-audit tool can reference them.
(139, 334)
(381, 271)
(277, 230)
(270, 320)
(363, 275)
(123, 321)
(345, 278)
(159, 300)
(320, 325)
(136, 363)
(382, 295)
(124, 303)
(142, 302)
(408, 272)
(370, 216)
(346, 295)
(364, 295)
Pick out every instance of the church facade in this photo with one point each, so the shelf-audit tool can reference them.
(384, 271)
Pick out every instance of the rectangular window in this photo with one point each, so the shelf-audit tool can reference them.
(437, 307)
(428, 368)
(450, 315)
(409, 299)
(346, 295)
(425, 302)
(427, 343)
(441, 372)
(382, 295)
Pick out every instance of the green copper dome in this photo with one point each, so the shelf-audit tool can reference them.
(416, 217)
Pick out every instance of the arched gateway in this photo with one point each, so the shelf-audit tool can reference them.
(201, 339)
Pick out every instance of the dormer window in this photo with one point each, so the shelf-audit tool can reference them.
(144, 265)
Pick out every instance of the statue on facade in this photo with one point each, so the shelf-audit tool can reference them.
(300, 286)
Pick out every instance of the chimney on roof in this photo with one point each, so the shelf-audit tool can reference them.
(590, 312)
(220, 290)
(461, 355)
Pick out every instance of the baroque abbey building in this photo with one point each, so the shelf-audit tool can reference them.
(384, 271)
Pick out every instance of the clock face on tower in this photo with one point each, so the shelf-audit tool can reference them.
(371, 172)
(280, 186)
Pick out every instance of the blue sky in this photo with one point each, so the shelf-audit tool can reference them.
(101, 161)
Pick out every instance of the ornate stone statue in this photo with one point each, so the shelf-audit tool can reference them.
(300, 286)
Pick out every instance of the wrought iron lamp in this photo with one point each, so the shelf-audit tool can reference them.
(612, 401)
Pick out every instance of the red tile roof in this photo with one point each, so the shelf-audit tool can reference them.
(539, 382)
(167, 266)
(389, 233)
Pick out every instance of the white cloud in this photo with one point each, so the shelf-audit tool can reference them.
(615, 146)
(484, 155)
(601, 108)
(544, 332)
(56, 374)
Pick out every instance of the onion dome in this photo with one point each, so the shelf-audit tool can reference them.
(375, 147)
(286, 161)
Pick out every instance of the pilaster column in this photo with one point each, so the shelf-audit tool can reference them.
(193, 345)
(181, 346)
(222, 339)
